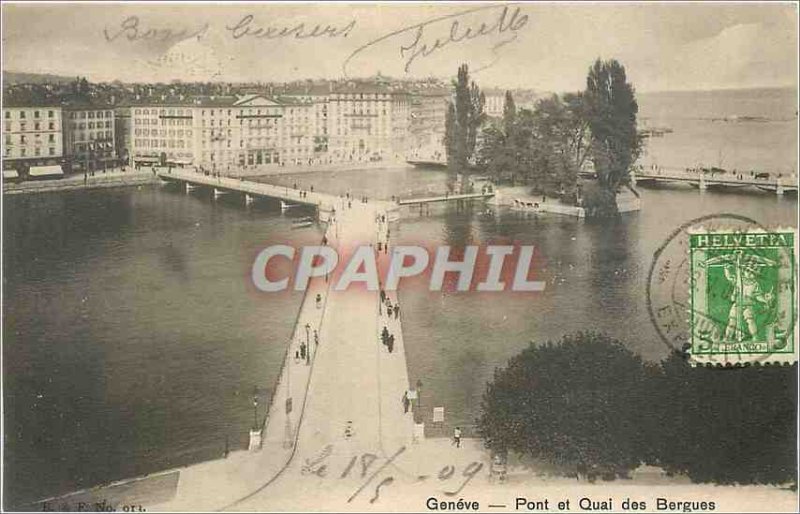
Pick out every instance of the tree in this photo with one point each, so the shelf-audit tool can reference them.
(509, 113)
(576, 404)
(463, 120)
(727, 425)
(611, 110)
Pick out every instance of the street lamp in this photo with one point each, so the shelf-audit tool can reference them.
(418, 410)
(255, 407)
(308, 345)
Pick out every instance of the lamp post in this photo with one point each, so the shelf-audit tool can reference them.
(418, 410)
(308, 345)
(255, 408)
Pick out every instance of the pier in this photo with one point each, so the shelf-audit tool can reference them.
(445, 198)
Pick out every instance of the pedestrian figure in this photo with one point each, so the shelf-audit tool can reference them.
(457, 437)
(406, 402)
(325, 240)
(303, 351)
(396, 310)
(319, 300)
(385, 335)
(383, 296)
(312, 188)
(316, 339)
(390, 343)
(296, 356)
(380, 246)
(388, 304)
(349, 205)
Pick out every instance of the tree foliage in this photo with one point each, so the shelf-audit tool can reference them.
(463, 121)
(542, 147)
(611, 111)
(575, 404)
(727, 425)
(589, 405)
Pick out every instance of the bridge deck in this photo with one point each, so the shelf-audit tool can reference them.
(711, 180)
(322, 200)
(444, 198)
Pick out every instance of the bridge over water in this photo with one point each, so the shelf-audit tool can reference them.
(722, 180)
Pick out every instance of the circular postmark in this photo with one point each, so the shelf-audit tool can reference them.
(695, 311)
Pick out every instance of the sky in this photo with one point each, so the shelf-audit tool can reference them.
(547, 47)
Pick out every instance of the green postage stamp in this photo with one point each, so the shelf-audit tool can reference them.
(743, 296)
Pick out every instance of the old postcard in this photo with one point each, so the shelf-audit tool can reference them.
(400, 257)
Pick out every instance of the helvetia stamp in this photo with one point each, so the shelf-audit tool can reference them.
(743, 296)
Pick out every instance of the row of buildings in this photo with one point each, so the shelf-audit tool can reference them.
(351, 122)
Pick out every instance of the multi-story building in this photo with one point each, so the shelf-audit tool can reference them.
(32, 139)
(368, 122)
(223, 133)
(122, 133)
(89, 142)
(495, 102)
(427, 124)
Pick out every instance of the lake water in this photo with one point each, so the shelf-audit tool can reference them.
(133, 339)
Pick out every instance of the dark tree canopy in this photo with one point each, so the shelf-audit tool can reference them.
(727, 425)
(587, 404)
(576, 403)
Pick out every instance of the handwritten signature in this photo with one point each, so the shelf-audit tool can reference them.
(424, 44)
(246, 28)
(133, 30)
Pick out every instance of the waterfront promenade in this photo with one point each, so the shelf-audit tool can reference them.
(100, 180)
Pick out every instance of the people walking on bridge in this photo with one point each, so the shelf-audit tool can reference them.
(390, 343)
(319, 300)
(303, 351)
(457, 437)
(383, 296)
(396, 310)
(406, 402)
(384, 334)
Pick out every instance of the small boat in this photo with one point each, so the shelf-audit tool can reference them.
(305, 219)
(286, 206)
(303, 224)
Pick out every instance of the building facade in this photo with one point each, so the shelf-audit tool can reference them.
(226, 133)
(427, 124)
(89, 142)
(32, 136)
(223, 134)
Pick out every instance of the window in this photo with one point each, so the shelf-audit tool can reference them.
(52, 126)
(50, 114)
(51, 138)
(23, 139)
(22, 152)
(37, 151)
(91, 115)
(22, 115)
(37, 126)
(8, 115)
(52, 151)
(35, 114)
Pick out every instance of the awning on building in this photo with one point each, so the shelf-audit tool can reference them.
(10, 174)
(46, 171)
(146, 159)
